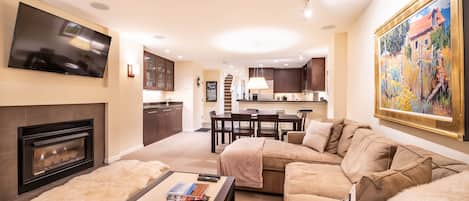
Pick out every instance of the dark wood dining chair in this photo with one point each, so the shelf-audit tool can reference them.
(242, 125)
(267, 125)
(219, 129)
(303, 114)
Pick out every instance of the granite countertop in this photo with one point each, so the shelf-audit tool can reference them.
(281, 101)
(162, 105)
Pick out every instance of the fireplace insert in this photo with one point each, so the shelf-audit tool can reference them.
(52, 151)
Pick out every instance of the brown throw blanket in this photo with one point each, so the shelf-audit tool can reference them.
(243, 160)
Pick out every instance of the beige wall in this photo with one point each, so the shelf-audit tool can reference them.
(360, 84)
(337, 76)
(122, 95)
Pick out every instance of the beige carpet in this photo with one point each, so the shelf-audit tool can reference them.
(190, 152)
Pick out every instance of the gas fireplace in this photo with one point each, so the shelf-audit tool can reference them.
(52, 151)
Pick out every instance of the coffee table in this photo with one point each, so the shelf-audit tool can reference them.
(157, 190)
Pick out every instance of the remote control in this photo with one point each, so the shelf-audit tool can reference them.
(209, 179)
(209, 175)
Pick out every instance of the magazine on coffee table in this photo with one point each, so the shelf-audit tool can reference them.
(188, 192)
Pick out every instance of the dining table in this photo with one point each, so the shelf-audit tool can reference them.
(294, 119)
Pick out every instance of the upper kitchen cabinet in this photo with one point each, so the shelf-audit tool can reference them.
(315, 75)
(267, 73)
(158, 72)
(288, 80)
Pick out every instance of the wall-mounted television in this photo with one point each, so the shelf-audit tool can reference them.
(45, 42)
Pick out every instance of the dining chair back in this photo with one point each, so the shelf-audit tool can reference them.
(242, 125)
(218, 129)
(267, 125)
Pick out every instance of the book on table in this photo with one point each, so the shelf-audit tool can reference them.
(188, 192)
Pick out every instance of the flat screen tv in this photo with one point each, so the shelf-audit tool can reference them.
(46, 42)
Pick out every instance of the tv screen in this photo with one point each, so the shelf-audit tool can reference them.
(46, 42)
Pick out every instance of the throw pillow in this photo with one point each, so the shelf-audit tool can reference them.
(317, 135)
(333, 143)
(350, 127)
(454, 187)
(368, 153)
(384, 185)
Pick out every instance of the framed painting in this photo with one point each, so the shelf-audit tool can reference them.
(211, 91)
(419, 67)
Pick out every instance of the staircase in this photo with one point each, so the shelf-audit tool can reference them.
(227, 92)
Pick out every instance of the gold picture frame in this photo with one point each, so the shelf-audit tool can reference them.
(418, 49)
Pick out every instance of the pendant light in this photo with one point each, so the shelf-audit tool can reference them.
(257, 81)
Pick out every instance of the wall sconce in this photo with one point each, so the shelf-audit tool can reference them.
(198, 81)
(132, 70)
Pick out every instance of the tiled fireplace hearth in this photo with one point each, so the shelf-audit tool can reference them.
(40, 144)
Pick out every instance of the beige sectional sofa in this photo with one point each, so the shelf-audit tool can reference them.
(301, 173)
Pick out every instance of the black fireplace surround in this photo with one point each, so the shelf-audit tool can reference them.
(49, 152)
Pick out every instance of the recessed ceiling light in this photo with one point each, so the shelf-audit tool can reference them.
(285, 64)
(167, 50)
(179, 57)
(159, 37)
(276, 61)
(328, 27)
(99, 6)
(301, 57)
(256, 40)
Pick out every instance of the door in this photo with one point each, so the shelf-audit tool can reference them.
(160, 73)
(149, 71)
(150, 130)
(169, 75)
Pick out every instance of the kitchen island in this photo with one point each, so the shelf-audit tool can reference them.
(289, 107)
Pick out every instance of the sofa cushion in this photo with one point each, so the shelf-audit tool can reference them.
(442, 166)
(368, 153)
(454, 187)
(347, 135)
(336, 132)
(315, 179)
(277, 154)
(317, 135)
(307, 197)
(383, 185)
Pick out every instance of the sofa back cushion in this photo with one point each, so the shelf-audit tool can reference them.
(368, 153)
(442, 166)
(317, 135)
(384, 185)
(336, 132)
(350, 127)
(454, 187)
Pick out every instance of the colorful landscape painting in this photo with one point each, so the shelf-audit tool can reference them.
(415, 63)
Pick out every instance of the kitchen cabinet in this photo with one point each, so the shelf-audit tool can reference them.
(288, 80)
(267, 73)
(161, 122)
(158, 72)
(315, 75)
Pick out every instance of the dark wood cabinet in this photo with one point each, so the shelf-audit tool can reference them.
(315, 75)
(160, 123)
(267, 73)
(158, 72)
(288, 80)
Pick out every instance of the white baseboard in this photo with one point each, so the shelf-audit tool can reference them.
(117, 157)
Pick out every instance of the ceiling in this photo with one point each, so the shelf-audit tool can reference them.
(215, 33)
